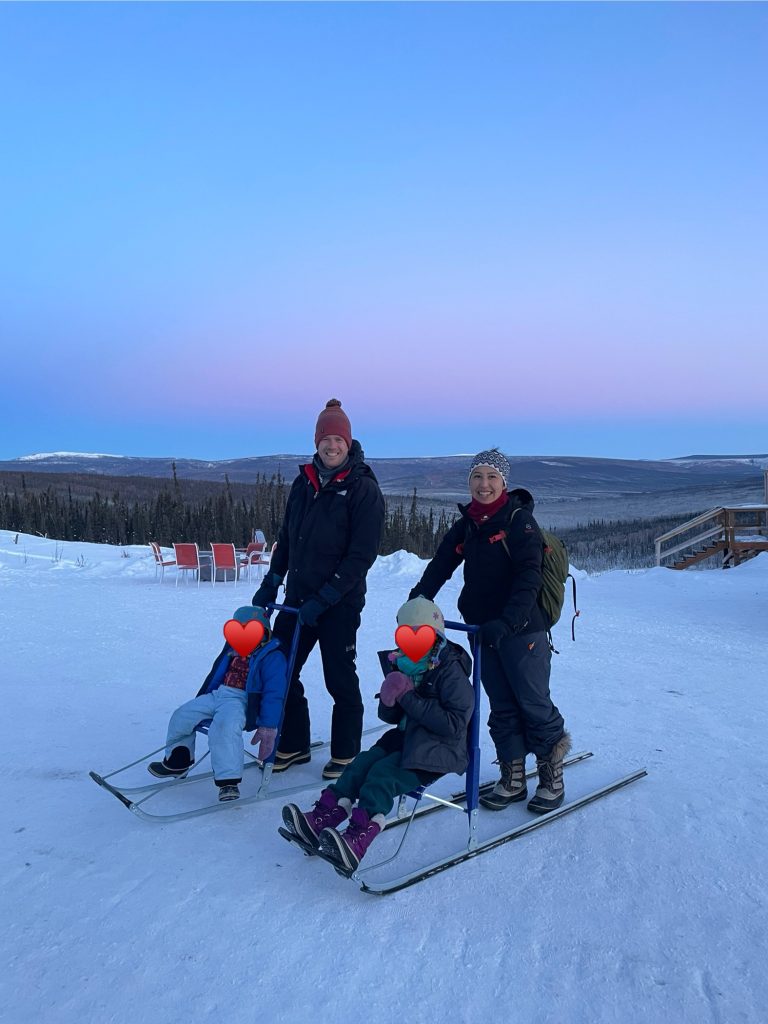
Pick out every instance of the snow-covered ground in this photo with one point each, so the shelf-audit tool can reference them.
(647, 906)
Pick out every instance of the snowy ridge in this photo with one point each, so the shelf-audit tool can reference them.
(69, 455)
(758, 461)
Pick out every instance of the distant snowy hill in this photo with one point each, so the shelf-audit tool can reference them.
(66, 458)
(726, 461)
(438, 476)
(647, 906)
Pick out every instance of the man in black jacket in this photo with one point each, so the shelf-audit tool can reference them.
(327, 543)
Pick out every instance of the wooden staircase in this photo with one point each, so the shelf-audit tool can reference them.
(736, 534)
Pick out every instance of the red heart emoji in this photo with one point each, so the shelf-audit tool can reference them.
(414, 643)
(244, 637)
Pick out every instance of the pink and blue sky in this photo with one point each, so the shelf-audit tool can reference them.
(541, 226)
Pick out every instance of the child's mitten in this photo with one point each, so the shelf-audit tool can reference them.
(266, 739)
(393, 688)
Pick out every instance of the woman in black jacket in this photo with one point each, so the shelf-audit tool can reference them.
(327, 543)
(501, 546)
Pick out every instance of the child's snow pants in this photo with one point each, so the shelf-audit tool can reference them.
(374, 779)
(226, 706)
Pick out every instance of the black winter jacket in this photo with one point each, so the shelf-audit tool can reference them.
(330, 535)
(438, 715)
(499, 583)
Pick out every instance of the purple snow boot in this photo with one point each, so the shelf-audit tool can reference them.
(307, 825)
(348, 848)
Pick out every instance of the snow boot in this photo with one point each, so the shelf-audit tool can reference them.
(348, 848)
(550, 792)
(228, 791)
(176, 764)
(328, 812)
(510, 788)
(285, 761)
(334, 769)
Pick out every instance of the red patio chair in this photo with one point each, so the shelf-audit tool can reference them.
(224, 558)
(187, 560)
(160, 562)
(255, 557)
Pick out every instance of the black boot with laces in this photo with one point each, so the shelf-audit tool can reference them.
(510, 788)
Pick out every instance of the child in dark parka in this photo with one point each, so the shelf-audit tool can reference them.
(429, 702)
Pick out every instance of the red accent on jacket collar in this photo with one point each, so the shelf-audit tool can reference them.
(314, 477)
(478, 512)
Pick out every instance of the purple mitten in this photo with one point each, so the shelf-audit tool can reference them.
(393, 688)
(266, 739)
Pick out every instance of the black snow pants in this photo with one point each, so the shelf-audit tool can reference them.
(336, 632)
(523, 718)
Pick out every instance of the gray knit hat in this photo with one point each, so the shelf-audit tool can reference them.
(421, 612)
(495, 459)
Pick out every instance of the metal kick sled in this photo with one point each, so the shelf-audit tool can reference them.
(135, 798)
(465, 802)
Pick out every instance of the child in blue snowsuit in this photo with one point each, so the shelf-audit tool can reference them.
(238, 693)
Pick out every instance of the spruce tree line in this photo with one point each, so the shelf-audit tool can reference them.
(135, 510)
(114, 510)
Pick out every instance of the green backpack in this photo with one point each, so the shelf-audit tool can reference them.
(555, 573)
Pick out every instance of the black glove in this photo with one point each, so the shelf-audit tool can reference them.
(314, 606)
(416, 592)
(267, 592)
(494, 631)
(311, 611)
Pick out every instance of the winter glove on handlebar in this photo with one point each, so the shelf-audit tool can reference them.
(311, 611)
(267, 592)
(314, 606)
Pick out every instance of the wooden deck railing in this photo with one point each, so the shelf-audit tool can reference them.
(739, 532)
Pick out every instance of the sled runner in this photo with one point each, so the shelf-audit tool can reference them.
(403, 817)
(466, 802)
(136, 797)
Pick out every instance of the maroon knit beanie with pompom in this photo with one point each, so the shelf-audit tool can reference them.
(333, 421)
